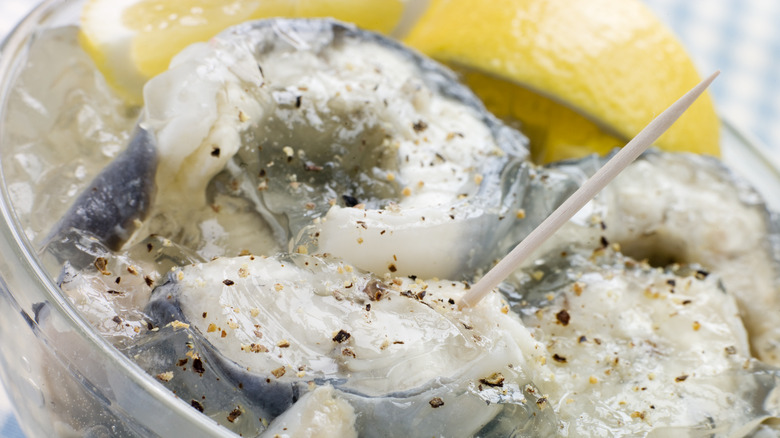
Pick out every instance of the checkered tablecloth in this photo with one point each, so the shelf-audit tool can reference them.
(739, 37)
(742, 39)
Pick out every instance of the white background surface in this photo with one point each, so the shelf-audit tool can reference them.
(739, 37)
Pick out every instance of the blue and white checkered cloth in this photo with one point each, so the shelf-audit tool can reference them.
(742, 39)
(739, 37)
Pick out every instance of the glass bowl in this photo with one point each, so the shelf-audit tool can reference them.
(62, 377)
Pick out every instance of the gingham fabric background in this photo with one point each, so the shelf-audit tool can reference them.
(739, 37)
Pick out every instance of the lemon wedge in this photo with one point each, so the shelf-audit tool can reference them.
(581, 76)
(134, 40)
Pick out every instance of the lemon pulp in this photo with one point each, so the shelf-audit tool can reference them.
(134, 40)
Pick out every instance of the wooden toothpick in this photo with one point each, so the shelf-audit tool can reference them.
(585, 193)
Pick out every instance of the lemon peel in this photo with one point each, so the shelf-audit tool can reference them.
(598, 70)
